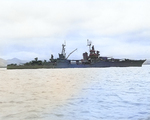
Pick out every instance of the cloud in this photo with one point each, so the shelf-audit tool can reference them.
(26, 26)
(46, 18)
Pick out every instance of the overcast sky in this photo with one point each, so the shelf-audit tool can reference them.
(37, 28)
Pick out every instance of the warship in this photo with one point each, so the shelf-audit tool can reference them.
(89, 60)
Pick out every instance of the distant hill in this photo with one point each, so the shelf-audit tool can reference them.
(3, 63)
(15, 61)
(147, 62)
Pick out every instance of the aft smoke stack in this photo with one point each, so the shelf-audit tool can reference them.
(85, 57)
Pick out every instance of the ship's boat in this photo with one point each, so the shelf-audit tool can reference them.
(92, 60)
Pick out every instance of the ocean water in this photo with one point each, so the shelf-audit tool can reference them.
(75, 94)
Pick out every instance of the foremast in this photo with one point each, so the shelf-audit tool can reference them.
(63, 54)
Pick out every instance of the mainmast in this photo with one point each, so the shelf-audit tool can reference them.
(93, 54)
(89, 43)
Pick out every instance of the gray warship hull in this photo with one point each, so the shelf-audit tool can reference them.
(67, 64)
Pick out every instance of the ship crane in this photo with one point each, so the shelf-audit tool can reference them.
(71, 53)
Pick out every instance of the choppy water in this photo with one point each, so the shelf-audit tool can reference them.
(75, 94)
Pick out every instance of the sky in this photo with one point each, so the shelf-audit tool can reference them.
(38, 28)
